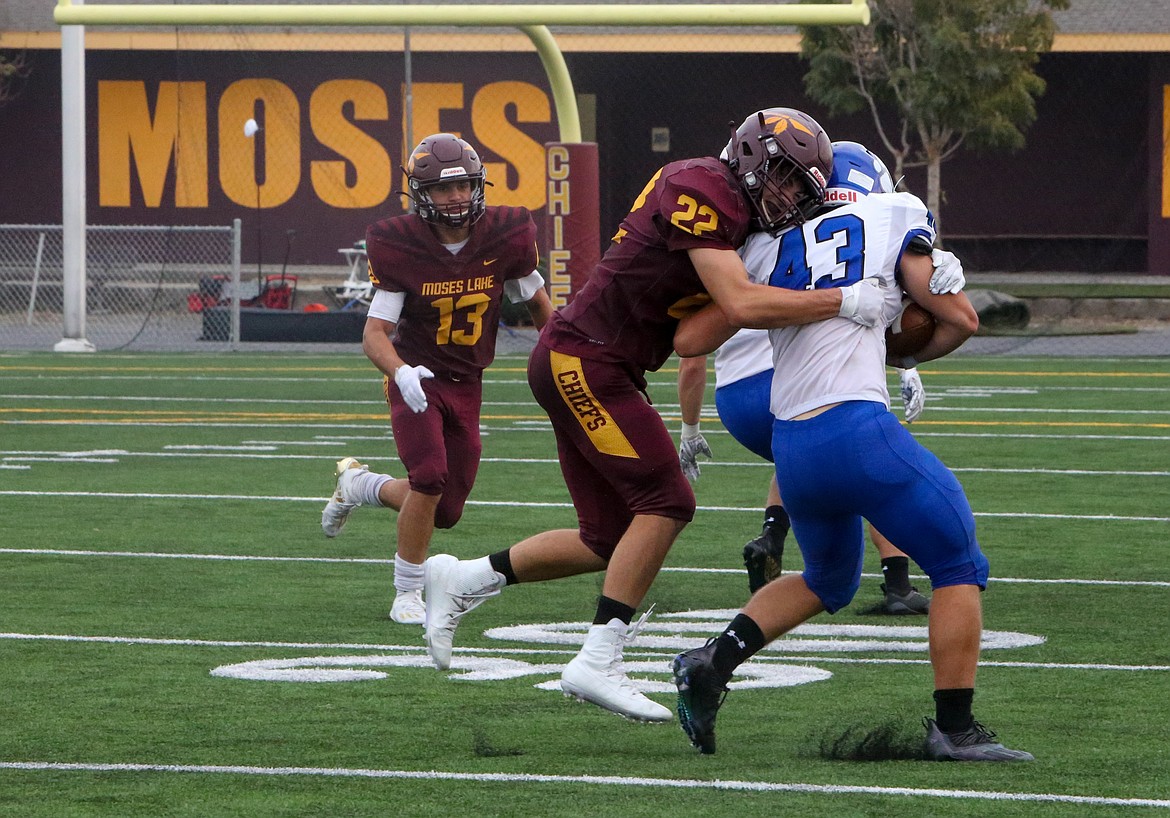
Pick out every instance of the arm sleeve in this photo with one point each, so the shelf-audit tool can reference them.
(387, 305)
(520, 290)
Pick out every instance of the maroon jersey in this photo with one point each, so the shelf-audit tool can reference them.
(451, 312)
(645, 284)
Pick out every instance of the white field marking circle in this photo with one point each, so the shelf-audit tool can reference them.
(683, 630)
(487, 669)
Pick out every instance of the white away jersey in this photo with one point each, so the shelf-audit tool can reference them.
(837, 359)
(747, 353)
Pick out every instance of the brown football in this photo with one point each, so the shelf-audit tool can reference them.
(911, 330)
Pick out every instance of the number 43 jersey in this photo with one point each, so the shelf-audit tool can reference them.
(451, 310)
(628, 311)
(837, 360)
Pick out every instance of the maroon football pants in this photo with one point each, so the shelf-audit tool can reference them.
(440, 447)
(617, 458)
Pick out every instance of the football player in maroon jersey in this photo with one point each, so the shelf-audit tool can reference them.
(439, 276)
(674, 252)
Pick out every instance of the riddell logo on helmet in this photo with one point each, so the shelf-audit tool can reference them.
(840, 195)
(447, 173)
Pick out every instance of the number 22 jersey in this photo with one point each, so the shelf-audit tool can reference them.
(630, 307)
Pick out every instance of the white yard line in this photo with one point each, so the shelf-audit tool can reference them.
(600, 780)
(524, 404)
(212, 402)
(69, 552)
(118, 495)
(528, 423)
(264, 450)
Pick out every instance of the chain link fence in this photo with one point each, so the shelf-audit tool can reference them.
(147, 287)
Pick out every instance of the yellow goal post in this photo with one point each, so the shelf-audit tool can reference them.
(578, 244)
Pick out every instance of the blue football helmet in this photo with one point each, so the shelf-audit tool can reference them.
(857, 172)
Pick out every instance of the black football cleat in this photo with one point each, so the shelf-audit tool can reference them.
(700, 695)
(762, 556)
(976, 743)
(910, 604)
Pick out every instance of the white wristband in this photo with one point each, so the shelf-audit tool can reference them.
(690, 430)
(909, 362)
(849, 299)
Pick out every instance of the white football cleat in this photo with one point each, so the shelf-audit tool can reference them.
(597, 675)
(453, 588)
(337, 510)
(409, 608)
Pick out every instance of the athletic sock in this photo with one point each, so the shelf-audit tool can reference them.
(776, 517)
(501, 562)
(407, 575)
(741, 640)
(952, 709)
(896, 575)
(365, 487)
(610, 609)
(479, 577)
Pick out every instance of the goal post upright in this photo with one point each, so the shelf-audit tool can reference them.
(532, 20)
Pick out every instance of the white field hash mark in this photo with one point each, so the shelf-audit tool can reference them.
(600, 780)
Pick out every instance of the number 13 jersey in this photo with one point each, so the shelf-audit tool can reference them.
(451, 311)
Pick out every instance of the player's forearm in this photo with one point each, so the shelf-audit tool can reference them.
(703, 332)
(379, 348)
(756, 305)
(955, 325)
(539, 308)
(955, 316)
(692, 383)
(764, 307)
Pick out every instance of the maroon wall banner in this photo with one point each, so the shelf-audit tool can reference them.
(572, 228)
(1159, 188)
(166, 141)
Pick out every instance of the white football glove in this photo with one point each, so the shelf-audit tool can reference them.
(409, 383)
(947, 277)
(862, 302)
(693, 444)
(913, 395)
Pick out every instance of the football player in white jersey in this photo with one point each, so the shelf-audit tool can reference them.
(841, 455)
(743, 377)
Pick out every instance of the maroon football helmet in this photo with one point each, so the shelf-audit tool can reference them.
(771, 147)
(441, 158)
